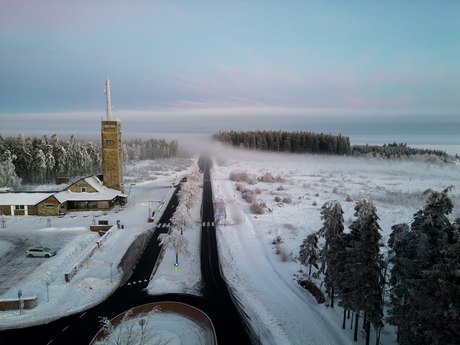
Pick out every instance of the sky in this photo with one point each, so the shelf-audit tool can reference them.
(205, 66)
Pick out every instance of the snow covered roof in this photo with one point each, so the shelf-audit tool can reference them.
(23, 198)
(104, 194)
(94, 182)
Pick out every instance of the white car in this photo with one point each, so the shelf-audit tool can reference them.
(41, 251)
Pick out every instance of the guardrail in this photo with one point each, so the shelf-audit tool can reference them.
(87, 253)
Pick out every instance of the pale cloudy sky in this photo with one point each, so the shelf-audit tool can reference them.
(305, 59)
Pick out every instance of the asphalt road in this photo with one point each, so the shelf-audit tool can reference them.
(217, 301)
(220, 305)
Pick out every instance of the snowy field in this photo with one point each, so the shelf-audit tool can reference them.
(281, 311)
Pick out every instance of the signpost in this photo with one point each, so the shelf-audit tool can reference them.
(176, 264)
(47, 291)
(20, 302)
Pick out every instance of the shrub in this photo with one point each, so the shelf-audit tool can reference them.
(335, 190)
(251, 181)
(248, 195)
(280, 188)
(287, 200)
(306, 185)
(349, 199)
(257, 208)
(277, 240)
(277, 199)
(279, 179)
(238, 176)
(258, 191)
(313, 289)
(317, 194)
(314, 203)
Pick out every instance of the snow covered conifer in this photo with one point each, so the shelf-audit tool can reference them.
(332, 216)
(426, 287)
(362, 278)
(8, 177)
(308, 254)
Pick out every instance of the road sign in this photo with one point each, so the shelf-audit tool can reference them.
(19, 293)
(176, 264)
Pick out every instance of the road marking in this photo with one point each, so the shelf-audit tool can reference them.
(209, 224)
(82, 315)
(49, 342)
(204, 223)
(65, 329)
(212, 223)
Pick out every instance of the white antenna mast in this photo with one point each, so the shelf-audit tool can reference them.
(109, 107)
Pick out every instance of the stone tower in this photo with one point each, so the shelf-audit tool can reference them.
(112, 157)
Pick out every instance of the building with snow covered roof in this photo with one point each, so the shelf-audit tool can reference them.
(25, 204)
(89, 194)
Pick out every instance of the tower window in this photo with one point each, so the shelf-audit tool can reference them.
(109, 142)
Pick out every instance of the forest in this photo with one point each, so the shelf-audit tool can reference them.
(396, 151)
(326, 144)
(25, 161)
(416, 276)
(280, 141)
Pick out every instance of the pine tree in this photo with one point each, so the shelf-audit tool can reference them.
(362, 285)
(425, 294)
(332, 216)
(309, 252)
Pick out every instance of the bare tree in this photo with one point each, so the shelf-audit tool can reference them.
(132, 330)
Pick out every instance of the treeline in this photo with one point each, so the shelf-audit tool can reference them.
(280, 141)
(394, 151)
(138, 150)
(41, 160)
(420, 270)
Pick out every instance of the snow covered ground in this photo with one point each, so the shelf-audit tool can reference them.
(71, 236)
(280, 310)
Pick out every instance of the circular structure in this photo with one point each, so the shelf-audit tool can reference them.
(176, 322)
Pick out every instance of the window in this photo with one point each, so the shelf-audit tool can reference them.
(49, 205)
(19, 207)
(109, 142)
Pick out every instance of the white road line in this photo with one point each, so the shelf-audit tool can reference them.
(49, 342)
(82, 315)
(65, 329)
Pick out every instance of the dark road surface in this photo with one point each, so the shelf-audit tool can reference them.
(220, 306)
(216, 302)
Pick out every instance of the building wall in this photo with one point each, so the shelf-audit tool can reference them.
(48, 207)
(112, 158)
(31, 210)
(6, 210)
(78, 187)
